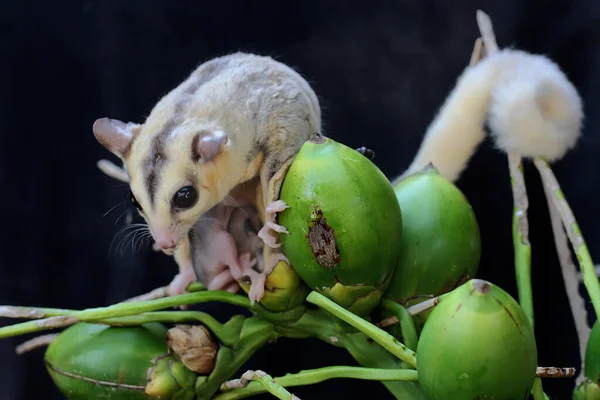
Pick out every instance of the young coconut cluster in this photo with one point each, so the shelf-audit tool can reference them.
(357, 240)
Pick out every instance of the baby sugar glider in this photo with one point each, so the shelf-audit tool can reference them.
(227, 243)
(235, 119)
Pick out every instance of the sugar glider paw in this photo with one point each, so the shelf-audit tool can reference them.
(275, 207)
(223, 281)
(271, 210)
(181, 281)
(257, 287)
(273, 260)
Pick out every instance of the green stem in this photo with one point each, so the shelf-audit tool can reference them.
(520, 231)
(537, 391)
(590, 279)
(224, 333)
(60, 318)
(386, 340)
(366, 352)
(407, 324)
(266, 383)
(523, 269)
(521, 244)
(311, 377)
(254, 334)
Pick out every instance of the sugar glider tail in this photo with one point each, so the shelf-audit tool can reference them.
(528, 103)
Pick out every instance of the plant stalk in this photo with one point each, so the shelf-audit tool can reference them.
(386, 340)
(52, 318)
(520, 230)
(407, 324)
(311, 377)
(264, 381)
(590, 279)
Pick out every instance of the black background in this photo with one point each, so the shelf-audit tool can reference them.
(380, 68)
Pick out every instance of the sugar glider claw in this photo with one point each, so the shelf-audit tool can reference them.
(276, 206)
(271, 210)
(181, 282)
(257, 287)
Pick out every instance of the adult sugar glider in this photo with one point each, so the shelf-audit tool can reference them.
(235, 119)
(222, 242)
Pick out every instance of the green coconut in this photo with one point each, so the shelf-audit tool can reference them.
(477, 344)
(588, 389)
(91, 361)
(344, 223)
(441, 244)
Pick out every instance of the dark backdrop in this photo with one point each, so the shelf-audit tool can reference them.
(381, 69)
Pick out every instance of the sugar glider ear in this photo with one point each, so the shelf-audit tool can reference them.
(207, 145)
(115, 135)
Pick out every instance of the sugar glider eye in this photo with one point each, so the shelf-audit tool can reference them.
(134, 201)
(185, 197)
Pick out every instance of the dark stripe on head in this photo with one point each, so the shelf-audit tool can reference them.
(156, 159)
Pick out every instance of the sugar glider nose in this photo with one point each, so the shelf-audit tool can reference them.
(166, 244)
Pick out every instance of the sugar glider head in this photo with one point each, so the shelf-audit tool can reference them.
(172, 173)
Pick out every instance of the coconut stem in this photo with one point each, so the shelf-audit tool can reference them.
(407, 325)
(521, 244)
(571, 279)
(590, 279)
(314, 376)
(52, 318)
(386, 340)
(254, 333)
(413, 310)
(222, 332)
(162, 292)
(36, 342)
(263, 379)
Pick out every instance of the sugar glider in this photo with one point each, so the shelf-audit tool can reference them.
(228, 242)
(225, 238)
(528, 103)
(235, 119)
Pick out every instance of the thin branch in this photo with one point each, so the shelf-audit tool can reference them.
(64, 318)
(521, 244)
(553, 372)
(380, 336)
(315, 376)
(157, 293)
(413, 310)
(590, 279)
(571, 279)
(36, 342)
(265, 380)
